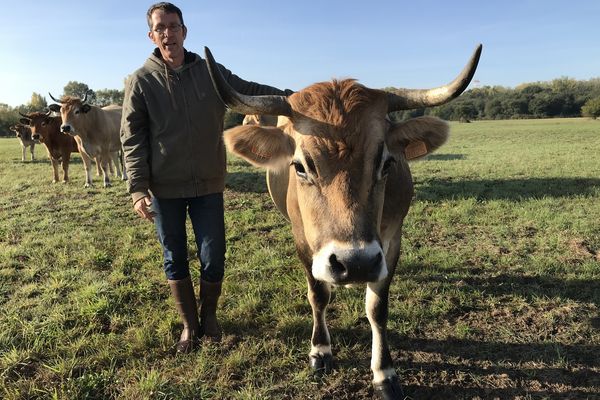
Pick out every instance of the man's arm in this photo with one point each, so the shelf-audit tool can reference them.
(251, 88)
(135, 141)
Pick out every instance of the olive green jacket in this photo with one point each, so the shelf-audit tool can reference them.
(171, 128)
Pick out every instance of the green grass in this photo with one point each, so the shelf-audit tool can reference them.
(497, 294)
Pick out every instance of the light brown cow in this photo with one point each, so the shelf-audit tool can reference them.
(338, 170)
(46, 129)
(23, 132)
(96, 131)
(264, 120)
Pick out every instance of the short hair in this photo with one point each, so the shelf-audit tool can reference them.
(167, 8)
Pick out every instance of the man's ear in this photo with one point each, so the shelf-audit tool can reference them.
(184, 32)
(417, 137)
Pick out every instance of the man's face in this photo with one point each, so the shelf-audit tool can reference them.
(168, 35)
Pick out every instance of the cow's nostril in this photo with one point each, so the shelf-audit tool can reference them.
(337, 267)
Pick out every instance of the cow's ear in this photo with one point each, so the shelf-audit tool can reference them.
(85, 108)
(262, 146)
(54, 107)
(417, 137)
(25, 121)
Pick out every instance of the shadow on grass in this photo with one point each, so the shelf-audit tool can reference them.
(529, 287)
(504, 189)
(246, 182)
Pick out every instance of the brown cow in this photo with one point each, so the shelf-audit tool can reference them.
(23, 132)
(46, 129)
(338, 170)
(95, 129)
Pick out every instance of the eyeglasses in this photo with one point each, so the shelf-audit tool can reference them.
(161, 29)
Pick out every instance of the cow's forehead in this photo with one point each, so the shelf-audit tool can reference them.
(349, 141)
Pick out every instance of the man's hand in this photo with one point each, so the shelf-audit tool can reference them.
(142, 208)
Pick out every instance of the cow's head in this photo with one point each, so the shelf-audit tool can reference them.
(73, 112)
(342, 151)
(40, 124)
(22, 131)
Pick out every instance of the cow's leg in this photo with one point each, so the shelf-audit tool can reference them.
(104, 161)
(55, 164)
(121, 162)
(66, 158)
(23, 152)
(98, 169)
(115, 158)
(87, 167)
(320, 358)
(385, 380)
(32, 155)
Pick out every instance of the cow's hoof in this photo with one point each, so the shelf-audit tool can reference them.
(389, 389)
(107, 185)
(88, 185)
(321, 364)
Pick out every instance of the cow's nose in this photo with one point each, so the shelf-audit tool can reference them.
(356, 268)
(338, 269)
(65, 128)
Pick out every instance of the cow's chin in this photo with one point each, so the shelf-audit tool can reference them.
(343, 264)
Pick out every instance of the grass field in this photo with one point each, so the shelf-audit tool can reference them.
(497, 294)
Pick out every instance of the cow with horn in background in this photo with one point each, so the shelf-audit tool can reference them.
(96, 131)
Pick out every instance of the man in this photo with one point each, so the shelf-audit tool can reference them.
(171, 133)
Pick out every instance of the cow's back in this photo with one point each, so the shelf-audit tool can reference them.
(112, 125)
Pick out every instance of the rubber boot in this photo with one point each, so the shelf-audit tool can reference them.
(185, 302)
(209, 298)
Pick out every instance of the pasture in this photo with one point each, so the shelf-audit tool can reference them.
(497, 295)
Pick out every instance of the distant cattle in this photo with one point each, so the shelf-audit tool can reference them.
(338, 171)
(46, 129)
(23, 132)
(95, 129)
(264, 120)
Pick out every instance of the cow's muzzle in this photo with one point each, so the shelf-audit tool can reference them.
(342, 264)
(66, 128)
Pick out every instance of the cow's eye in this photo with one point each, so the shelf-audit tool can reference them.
(300, 171)
(43, 124)
(387, 165)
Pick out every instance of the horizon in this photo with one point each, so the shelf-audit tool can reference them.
(396, 45)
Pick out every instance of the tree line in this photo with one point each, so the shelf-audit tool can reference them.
(563, 97)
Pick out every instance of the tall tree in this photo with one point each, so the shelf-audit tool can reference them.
(79, 89)
(37, 102)
(105, 97)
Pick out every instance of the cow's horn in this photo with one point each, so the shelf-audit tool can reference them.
(408, 99)
(241, 103)
(52, 97)
(85, 96)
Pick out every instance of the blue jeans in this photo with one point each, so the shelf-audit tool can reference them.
(206, 214)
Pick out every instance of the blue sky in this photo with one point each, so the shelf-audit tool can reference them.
(291, 44)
